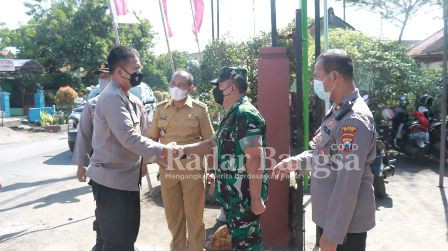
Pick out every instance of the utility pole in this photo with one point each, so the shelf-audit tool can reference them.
(317, 28)
(444, 93)
(274, 35)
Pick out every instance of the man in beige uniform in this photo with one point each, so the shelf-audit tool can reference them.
(183, 120)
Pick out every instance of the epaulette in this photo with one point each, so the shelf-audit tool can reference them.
(199, 103)
(163, 103)
(345, 108)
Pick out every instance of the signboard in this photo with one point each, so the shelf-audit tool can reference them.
(7, 65)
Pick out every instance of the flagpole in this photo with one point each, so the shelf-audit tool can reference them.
(213, 21)
(217, 17)
(166, 38)
(195, 30)
(114, 23)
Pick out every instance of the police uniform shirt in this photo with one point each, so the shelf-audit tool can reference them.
(117, 141)
(341, 189)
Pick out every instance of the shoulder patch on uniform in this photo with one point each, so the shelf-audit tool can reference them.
(199, 103)
(348, 136)
(163, 103)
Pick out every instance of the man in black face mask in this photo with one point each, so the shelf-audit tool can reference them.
(118, 145)
(241, 176)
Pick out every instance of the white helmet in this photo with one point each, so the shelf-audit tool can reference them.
(388, 114)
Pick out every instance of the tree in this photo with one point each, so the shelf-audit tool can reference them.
(398, 12)
(384, 69)
(71, 35)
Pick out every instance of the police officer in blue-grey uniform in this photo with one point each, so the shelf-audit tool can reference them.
(343, 202)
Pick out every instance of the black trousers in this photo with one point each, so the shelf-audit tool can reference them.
(118, 217)
(352, 242)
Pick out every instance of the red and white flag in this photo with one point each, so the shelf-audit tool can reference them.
(167, 22)
(198, 15)
(121, 12)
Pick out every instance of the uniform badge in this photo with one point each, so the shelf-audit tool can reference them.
(347, 145)
(331, 122)
(326, 130)
(348, 136)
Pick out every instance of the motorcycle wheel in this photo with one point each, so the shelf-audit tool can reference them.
(379, 187)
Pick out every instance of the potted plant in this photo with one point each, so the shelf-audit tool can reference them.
(48, 123)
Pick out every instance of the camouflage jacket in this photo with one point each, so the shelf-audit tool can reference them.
(241, 128)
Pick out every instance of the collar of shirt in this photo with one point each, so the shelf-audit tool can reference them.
(188, 102)
(118, 88)
(345, 99)
(237, 103)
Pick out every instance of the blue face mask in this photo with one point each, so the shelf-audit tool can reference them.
(319, 89)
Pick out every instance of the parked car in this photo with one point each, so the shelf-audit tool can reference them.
(142, 91)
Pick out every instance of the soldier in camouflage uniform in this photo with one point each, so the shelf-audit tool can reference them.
(241, 176)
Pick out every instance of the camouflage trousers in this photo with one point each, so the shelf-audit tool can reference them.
(244, 228)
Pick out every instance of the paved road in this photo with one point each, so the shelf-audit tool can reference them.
(43, 206)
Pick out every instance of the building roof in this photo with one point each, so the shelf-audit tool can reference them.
(27, 65)
(409, 43)
(431, 46)
(333, 22)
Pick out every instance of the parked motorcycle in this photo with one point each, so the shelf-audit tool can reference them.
(434, 139)
(382, 168)
(405, 135)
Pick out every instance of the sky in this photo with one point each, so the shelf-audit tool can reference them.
(239, 19)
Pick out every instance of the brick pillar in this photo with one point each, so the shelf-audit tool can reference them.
(273, 103)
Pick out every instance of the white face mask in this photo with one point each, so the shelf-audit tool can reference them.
(103, 83)
(178, 94)
(319, 89)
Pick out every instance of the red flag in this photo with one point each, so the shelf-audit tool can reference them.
(121, 12)
(121, 7)
(198, 14)
(165, 12)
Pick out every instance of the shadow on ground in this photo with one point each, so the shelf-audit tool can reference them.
(63, 197)
(413, 165)
(64, 158)
(16, 186)
(11, 236)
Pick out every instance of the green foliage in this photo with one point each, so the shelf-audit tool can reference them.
(161, 96)
(46, 119)
(58, 118)
(67, 35)
(384, 69)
